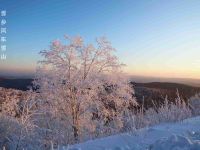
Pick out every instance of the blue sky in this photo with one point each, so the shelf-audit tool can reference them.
(153, 37)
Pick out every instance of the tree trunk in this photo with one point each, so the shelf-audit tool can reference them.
(76, 133)
(75, 124)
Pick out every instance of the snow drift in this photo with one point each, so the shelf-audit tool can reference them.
(184, 135)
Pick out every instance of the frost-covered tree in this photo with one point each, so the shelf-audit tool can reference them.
(81, 82)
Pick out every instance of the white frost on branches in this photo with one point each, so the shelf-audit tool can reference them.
(82, 85)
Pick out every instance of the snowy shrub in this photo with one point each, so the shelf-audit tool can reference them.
(7, 128)
(18, 132)
(195, 104)
(13, 135)
(168, 112)
(9, 100)
(171, 112)
(139, 119)
(151, 116)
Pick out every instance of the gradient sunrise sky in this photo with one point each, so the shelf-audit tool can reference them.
(153, 37)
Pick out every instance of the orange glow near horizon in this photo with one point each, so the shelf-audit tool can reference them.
(192, 73)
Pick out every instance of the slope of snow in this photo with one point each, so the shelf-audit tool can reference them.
(184, 135)
(178, 142)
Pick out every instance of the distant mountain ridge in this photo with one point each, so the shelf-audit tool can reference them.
(157, 91)
(22, 84)
(187, 81)
(165, 85)
(149, 92)
(18, 84)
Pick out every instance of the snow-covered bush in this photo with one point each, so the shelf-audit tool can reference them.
(13, 135)
(195, 104)
(9, 100)
(18, 132)
(7, 128)
(151, 117)
(169, 111)
(173, 111)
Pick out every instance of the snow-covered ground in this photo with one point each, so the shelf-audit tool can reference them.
(184, 135)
